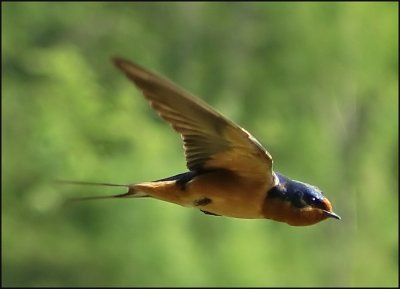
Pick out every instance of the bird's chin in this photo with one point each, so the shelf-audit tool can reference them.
(331, 215)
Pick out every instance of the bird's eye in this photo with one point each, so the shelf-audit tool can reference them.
(313, 199)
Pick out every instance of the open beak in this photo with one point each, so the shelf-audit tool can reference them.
(331, 214)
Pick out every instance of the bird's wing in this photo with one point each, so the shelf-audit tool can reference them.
(211, 141)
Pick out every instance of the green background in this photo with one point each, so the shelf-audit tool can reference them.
(316, 83)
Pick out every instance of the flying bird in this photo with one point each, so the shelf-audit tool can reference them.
(230, 173)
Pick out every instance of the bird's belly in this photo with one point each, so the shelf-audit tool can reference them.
(233, 208)
(225, 195)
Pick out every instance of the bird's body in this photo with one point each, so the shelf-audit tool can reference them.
(230, 173)
(209, 193)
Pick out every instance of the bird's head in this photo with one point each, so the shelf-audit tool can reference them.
(297, 203)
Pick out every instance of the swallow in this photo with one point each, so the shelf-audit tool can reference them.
(230, 173)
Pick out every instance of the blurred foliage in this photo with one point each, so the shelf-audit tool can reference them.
(316, 83)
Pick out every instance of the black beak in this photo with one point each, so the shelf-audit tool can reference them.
(331, 214)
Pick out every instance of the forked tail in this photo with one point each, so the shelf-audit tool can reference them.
(132, 192)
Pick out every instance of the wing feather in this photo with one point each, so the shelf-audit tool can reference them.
(210, 140)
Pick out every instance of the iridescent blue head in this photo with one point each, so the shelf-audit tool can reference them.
(302, 204)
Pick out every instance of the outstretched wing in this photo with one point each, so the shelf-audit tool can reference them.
(211, 141)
